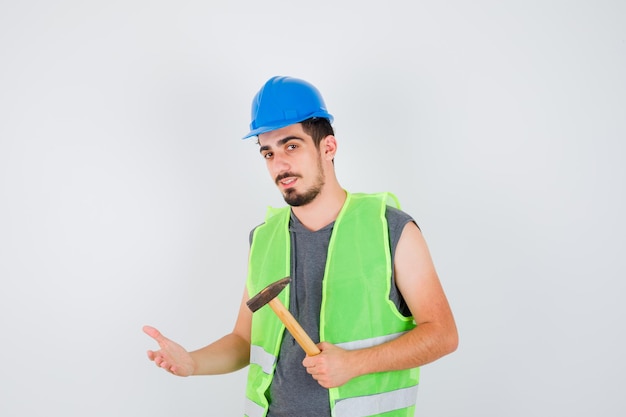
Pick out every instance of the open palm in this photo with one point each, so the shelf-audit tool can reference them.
(171, 356)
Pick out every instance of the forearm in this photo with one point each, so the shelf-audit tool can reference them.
(424, 344)
(228, 354)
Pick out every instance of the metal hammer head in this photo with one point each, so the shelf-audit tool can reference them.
(267, 294)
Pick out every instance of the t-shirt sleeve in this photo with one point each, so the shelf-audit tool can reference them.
(396, 221)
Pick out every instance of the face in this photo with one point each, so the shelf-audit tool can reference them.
(294, 163)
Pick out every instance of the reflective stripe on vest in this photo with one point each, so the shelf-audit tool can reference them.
(376, 404)
(252, 409)
(260, 357)
(366, 343)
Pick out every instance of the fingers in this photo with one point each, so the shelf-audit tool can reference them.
(161, 362)
(314, 365)
(171, 356)
(156, 357)
(320, 374)
(329, 367)
(312, 360)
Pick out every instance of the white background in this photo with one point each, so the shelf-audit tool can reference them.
(126, 194)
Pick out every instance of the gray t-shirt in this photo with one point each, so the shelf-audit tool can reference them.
(294, 392)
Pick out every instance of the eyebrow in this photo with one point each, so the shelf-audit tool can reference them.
(280, 142)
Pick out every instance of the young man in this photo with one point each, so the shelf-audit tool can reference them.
(363, 284)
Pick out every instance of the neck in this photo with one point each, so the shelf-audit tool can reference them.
(323, 210)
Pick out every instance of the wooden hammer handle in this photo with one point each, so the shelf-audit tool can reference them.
(294, 327)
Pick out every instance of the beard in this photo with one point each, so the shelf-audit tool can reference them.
(295, 199)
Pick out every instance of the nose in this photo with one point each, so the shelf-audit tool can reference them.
(279, 163)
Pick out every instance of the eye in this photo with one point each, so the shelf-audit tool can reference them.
(292, 146)
(267, 155)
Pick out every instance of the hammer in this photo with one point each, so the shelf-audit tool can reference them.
(268, 296)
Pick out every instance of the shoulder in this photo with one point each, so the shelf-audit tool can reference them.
(274, 217)
(251, 235)
(397, 219)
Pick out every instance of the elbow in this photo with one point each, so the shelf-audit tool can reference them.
(447, 339)
(452, 340)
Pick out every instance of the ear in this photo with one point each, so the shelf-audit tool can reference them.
(328, 147)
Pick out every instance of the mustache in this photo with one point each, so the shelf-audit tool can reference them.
(285, 175)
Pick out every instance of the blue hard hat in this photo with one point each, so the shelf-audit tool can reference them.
(283, 101)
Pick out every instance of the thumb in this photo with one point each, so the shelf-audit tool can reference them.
(153, 333)
(324, 345)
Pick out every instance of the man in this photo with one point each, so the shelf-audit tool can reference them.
(363, 285)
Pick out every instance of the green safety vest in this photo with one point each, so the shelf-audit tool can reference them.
(356, 311)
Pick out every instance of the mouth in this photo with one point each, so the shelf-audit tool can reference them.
(286, 180)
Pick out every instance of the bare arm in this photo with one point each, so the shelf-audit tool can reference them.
(231, 352)
(228, 354)
(435, 334)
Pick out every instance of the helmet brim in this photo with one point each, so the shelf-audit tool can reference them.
(275, 126)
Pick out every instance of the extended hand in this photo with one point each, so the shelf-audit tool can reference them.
(331, 368)
(172, 357)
